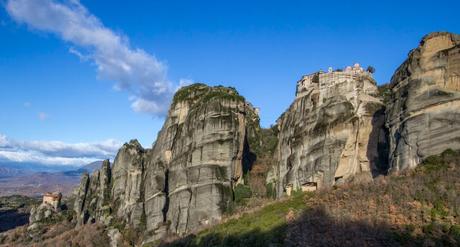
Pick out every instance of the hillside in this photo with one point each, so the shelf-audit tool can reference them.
(420, 207)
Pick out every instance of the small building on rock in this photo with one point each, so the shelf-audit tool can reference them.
(53, 199)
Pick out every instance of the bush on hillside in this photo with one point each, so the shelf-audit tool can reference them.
(242, 193)
(418, 208)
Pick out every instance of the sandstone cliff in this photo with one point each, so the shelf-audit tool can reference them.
(186, 180)
(336, 131)
(423, 115)
(332, 133)
(92, 198)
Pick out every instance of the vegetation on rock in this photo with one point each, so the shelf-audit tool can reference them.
(417, 208)
(385, 92)
(61, 234)
(204, 93)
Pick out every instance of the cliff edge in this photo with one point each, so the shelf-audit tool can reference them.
(423, 113)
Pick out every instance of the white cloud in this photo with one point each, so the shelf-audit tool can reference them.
(80, 55)
(133, 70)
(3, 141)
(184, 82)
(28, 156)
(27, 104)
(56, 152)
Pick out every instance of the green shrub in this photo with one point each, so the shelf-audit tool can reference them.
(297, 193)
(204, 93)
(433, 163)
(385, 93)
(223, 94)
(271, 191)
(455, 232)
(242, 193)
(68, 215)
(118, 224)
(186, 92)
(438, 209)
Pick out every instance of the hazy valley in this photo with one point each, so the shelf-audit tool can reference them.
(34, 180)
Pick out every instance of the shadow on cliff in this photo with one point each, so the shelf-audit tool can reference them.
(249, 157)
(378, 146)
(11, 219)
(314, 227)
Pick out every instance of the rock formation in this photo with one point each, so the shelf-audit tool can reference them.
(48, 211)
(40, 213)
(92, 197)
(332, 133)
(423, 115)
(336, 131)
(202, 148)
(185, 181)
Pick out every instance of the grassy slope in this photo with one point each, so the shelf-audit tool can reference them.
(421, 207)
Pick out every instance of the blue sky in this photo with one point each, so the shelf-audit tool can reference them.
(58, 88)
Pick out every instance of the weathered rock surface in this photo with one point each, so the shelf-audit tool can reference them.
(115, 237)
(204, 139)
(332, 133)
(40, 213)
(128, 172)
(92, 199)
(336, 131)
(423, 115)
(185, 181)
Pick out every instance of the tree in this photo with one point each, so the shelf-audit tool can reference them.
(370, 69)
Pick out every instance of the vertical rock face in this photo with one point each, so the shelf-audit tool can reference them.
(128, 173)
(332, 133)
(423, 116)
(93, 196)
(201, 148)
(186, 180)
(336, 131)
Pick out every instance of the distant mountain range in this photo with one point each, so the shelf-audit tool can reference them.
(35, 179)
(91, 167)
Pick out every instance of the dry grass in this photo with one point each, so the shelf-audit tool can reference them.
(421, 207)
(93, 235)
(61, 234)
(418, 208)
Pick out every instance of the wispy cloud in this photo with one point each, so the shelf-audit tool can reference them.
(3, 141)
(42, 116)
(56, 152)
(184, 82)
(133, 70)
